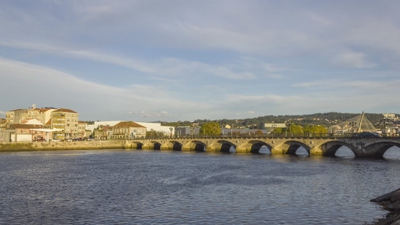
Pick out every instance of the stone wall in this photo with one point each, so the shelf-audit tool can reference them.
(78, 145)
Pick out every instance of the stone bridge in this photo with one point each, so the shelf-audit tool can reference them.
(321, 146)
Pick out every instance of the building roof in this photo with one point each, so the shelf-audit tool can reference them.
(32, 121)
(128, 124)
(44, 109)
(64, 110)
(48, 122)
(25, 126)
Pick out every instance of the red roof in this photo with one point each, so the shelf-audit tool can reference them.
(26, 126)
(65, 110)
(128, 124)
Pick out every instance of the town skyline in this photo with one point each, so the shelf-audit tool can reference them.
(44, 114)
(180, 60)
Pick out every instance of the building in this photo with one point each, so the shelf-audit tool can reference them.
(183, 131)
(3, 124)
(99, 127)
(128, 130)
(166, 130)
(26, 132)
(82, 129)
(102, 132)
(67, 121)
(390, 117)
(18, 116)
(272, 126)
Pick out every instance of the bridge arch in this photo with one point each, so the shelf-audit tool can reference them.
(226, 146)
(382, 147)
(177, 146)
(330, 148)
(172, 145)
(256, 146)
(293, 146)
(199, 146)
(156, 145)
(194, 145)
(137, 145)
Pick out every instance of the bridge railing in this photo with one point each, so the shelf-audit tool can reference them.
(272, 135)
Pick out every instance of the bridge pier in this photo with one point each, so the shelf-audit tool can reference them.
(316, 151)
(243, 149)
(187, 149)
(146, 146)
(277, 151)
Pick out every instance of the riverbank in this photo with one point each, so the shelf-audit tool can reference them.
(390, 202)
(79, 145)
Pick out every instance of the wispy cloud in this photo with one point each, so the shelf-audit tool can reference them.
(163, 67)
(325, 84)
(353, 60)
(166, 59)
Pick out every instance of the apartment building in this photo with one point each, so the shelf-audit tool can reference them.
(19, 116)
(3, 123)
(67, 121)
(82, 129)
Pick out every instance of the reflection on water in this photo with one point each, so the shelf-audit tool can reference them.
(342, 152)
(161, 187)
(392, 153)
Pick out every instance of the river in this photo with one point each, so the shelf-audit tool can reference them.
(165, 187)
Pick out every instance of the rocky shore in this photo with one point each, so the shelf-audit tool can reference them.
(390, 202)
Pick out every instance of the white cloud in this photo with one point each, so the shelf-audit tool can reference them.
(324, 84)
(165, 66)
(172, 61)
(48, 87)
(353, 60)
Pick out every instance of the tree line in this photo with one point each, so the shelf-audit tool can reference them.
(323, 119)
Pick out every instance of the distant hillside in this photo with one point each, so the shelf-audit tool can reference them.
(326, 119)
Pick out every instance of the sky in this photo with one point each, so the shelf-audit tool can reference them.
(170, 60)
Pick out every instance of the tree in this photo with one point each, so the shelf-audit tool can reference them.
(212, 128)
(296, 129)
(155, 134)
(279, 130)
(315, 129)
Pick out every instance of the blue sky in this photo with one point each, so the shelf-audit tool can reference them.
(175, 60)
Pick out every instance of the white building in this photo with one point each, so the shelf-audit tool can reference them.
(167, 130)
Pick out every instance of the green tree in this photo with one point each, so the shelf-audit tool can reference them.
(296, 129)
(212, 128)
(279, 130)
(315, 129)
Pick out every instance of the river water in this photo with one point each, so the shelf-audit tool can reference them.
(164, 187)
